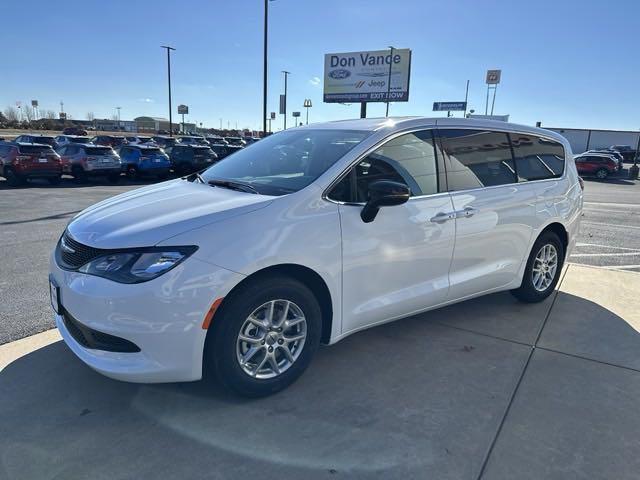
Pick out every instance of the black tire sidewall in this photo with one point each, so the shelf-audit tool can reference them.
(527, 292)
(221, 353)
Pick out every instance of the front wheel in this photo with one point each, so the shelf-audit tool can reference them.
(264, 336)
(132, 172)
(602, 174)
(113, 178)
(543, 269)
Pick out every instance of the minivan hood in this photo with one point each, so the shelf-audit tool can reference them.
(149, 215)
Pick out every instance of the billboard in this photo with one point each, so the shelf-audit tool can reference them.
(364, 76)
(493, 77)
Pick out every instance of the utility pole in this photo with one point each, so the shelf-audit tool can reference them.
(389, 80)
(264, 69)
(118, 109)
(466, 97)
(169, 81)
(286, 74)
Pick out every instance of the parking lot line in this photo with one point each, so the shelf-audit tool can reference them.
(579, 244)
(615, 225)
(616, 254)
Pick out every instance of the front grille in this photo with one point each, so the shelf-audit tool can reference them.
(93, 339)
(72, 254)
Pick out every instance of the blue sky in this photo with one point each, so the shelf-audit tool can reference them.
(565, 63)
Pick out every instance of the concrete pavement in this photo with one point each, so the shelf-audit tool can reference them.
(489, 388)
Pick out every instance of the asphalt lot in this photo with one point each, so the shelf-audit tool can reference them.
(33, 217)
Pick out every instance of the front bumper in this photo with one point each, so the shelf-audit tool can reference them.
(163, 317)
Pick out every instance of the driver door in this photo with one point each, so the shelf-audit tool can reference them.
(397, 264)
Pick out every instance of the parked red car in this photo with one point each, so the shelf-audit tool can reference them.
(21, 161)
(600, 166)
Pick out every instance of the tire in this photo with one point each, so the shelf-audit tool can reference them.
(602, 174)
(224, 348)
(54, 180)
(528, 291)
(132, 172)
(163, 176)
(113, 178)
(79, 175)
(13, 179)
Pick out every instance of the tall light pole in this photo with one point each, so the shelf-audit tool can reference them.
(286, 74)
(169, 79)
(118, 109)
(307, 104)
(389, 80)
(264, 70)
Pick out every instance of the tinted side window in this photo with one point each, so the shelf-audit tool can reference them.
(537, 158)
(477, 158)
(409, 159)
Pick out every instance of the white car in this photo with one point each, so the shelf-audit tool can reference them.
(310, 235)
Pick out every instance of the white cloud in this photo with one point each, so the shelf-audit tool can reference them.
(315, 81)
(146, 100)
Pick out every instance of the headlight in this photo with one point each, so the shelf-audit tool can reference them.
(137, 265)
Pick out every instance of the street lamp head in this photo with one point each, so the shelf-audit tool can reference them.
(167, 47)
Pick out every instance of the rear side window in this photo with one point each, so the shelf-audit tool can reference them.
(409, 159)
(477, 158)
(149, 151)
(537, 158)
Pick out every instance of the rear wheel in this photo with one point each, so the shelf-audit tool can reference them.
(132, 172)
(264, 336)
(79, 175)
(602, 173)
(54, 180)
(543, 269)
(14, 179)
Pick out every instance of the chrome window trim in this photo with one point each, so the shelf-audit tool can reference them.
(325, 193)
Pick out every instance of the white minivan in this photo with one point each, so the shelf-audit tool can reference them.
(310, 235)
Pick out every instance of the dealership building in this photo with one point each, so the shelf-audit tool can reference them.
(582, 139)
(153, 124)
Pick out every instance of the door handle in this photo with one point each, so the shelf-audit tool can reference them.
(442, 217)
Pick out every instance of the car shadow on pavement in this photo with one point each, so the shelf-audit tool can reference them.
(419, 398)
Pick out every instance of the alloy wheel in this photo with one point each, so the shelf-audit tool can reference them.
(545, 267)
(271, 339)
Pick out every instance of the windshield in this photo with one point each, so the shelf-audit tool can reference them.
(287, 161)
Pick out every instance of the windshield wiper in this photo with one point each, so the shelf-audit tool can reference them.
(233, 185)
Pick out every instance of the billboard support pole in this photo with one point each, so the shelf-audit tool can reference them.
(493, 102)
(486, 102)
(363, 109)
(389, 80)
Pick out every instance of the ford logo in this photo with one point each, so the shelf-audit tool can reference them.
(339, 73)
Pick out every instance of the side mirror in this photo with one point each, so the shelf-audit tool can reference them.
(384, 193)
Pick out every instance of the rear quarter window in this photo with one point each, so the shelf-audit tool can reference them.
(537, 158)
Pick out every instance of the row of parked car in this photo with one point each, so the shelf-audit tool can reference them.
(604, 162)
(40, 156)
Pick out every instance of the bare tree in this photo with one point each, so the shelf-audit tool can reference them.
(29, 113)
(50, 115)
(90, 116)
(12, 114)
(114, 117)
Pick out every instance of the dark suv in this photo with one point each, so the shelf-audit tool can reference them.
(113, 141)
(191, 158)
(21, 161)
